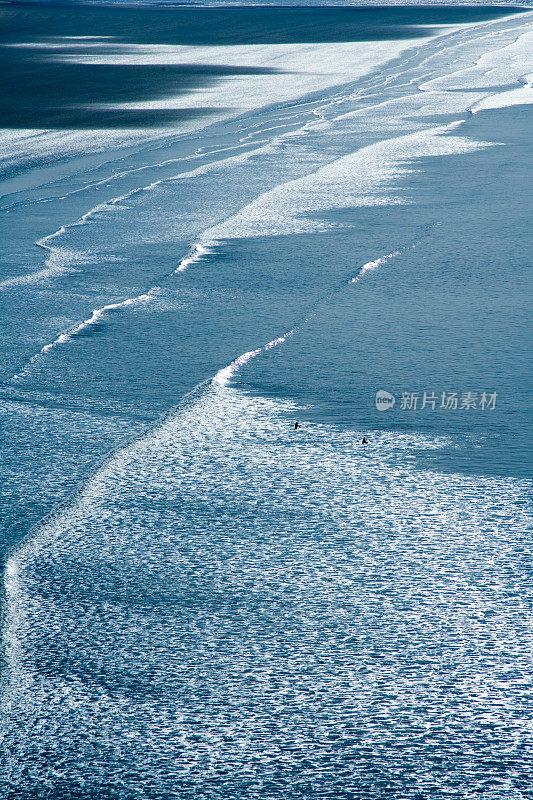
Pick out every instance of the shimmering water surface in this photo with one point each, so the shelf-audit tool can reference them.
(303, 207)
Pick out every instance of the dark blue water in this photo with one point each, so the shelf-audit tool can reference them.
(225, 607)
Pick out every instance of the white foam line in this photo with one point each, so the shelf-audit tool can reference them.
(223, 376)
(97, 316)
(197, 252)
(56, 251)
(43, 242)
(371, 265)
(107, 204)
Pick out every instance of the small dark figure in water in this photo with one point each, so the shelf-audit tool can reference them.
(296, 426)
(365, 440)
(163, 69)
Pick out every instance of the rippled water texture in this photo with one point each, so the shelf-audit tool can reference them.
(226, 607)
(279, 614)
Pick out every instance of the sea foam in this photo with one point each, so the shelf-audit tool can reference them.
(240, 593)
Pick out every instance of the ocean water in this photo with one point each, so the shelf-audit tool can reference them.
(216, 222)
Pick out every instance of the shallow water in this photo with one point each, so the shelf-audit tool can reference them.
(227, 607)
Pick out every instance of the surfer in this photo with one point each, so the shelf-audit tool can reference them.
(296, 426)
(365, 440)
